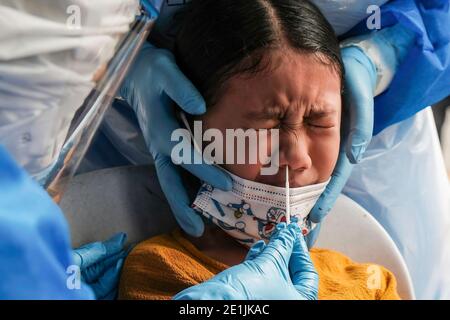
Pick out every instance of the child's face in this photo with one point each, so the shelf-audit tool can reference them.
(302, 97)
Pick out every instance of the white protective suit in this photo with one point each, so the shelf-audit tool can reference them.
(49, 53)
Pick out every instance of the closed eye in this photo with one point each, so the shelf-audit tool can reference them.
(321, 120)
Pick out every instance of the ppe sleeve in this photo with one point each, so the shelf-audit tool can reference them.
(35, 253)
(423, 76)
(386, 49)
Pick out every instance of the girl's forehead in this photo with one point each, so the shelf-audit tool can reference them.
(296, 80)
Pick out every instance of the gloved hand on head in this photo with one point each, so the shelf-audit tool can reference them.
(359, 87)
(370, 64)
(152, 85)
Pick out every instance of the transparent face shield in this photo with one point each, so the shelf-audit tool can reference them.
(90, 114)
(85, 125)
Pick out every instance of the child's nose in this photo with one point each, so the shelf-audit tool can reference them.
(294, 151)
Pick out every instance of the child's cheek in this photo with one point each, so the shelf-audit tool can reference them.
(246, 171)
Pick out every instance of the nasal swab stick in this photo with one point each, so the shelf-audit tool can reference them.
(288, 198)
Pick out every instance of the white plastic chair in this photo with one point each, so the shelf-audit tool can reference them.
(351, 230)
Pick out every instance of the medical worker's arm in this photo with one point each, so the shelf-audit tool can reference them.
(280, 270)
(371, 62)
(412, 56)
(36, 261)
(35, 249)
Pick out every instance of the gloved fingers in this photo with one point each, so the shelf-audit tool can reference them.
(361, 128)
(89, 254)
(255, 250)
(94, 272)
(279, 248)
(313, 235)
(213, 289)
(108, 281)
(176, 85)
(338, 180)
(173, 188)
(92, 253)
(301, 269)
(360, 77)
(115, 244)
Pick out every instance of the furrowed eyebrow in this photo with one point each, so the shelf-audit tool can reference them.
(267, 113)
(277, 112)
(322, 113)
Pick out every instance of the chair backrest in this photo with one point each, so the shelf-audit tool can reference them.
(129, 199)
(351, 230)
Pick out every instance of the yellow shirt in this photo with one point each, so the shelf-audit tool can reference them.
(162, 266)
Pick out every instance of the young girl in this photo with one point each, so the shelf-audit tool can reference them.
(260, 64)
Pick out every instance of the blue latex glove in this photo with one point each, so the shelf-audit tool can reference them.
(100, 264)
(150, 87)
(360, 81)
(280, 270)
(361, 77)
(313, 235)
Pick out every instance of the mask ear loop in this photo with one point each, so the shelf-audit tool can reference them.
(188, 127)
(194, 141)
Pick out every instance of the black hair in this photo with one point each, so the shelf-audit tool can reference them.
(218, 39)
